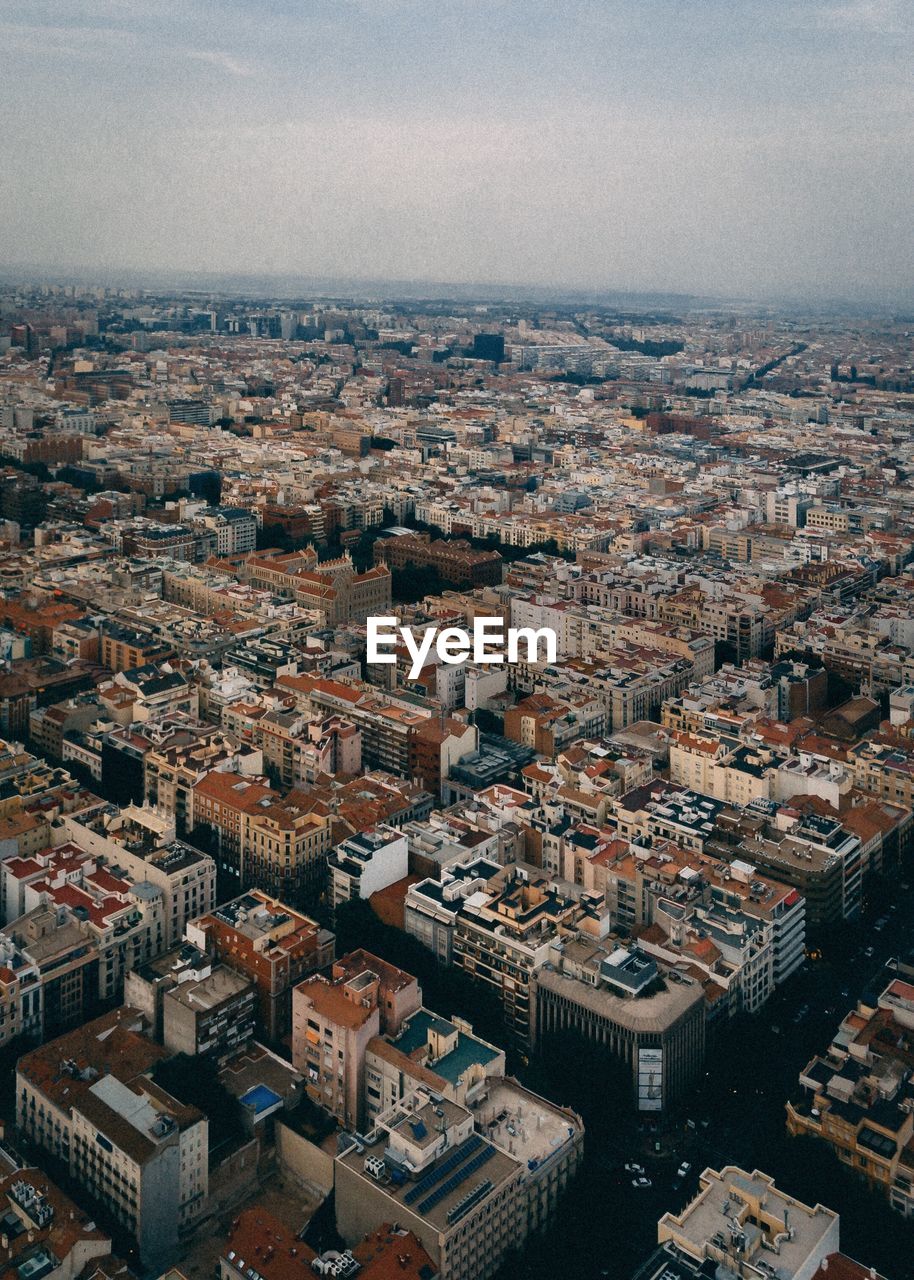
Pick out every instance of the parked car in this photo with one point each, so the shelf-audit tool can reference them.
(683, 1169)
(641, 1183)
(634, 1168)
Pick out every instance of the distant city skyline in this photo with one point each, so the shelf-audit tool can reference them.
(757, 149)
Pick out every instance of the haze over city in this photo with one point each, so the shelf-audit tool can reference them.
(756, 149)
(456, 640)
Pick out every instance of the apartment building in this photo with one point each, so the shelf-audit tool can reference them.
(465, 1196)
(276, 730)
(145, 988)
(235, 529)
(435, 745)
(730, 952)
(442, 1054)
(45, 1231)
(136, 843)
(367, 863)
(263, 840)
(432, 906)
(87, 1099)
(125, 648)
(438, 1156)
(883, 770)
(639, 877)
(857, 1097)
(181, 754)
(149, 692)
(502, 935)
(269, 942)
(667, 811)
(56, 985)
(809, 774)
(587, 775)
(445, 838)
(332, 748)
(810, 852)
(45, 1093)
(72, 904)
(724, 770)
(547, 725)
(629, 683)
(388, 724)
(748, 628)
(144, 1156)
(278, 1253)
(48, 726)
(741, 1222)
(264, 659)
(209, 1014)
(333, 1021)
(22, 1011)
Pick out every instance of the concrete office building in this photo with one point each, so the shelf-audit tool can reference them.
(653, 1019)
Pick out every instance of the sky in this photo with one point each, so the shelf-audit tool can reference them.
(752, 148)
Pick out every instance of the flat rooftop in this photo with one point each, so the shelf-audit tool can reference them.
(452, 1066)
(651, 1014)
(255, 915)
(210, 992)
(488, 1165)
(176, 856)
(527, 1127)
(762, 1212)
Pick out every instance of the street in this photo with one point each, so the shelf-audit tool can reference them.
(736, 1115)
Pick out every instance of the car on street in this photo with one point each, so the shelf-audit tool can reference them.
(683, 1169)
(634, 1168)
(641, 1183)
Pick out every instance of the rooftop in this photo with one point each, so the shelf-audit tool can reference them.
(65, 1069)
(463, 1048)
(738, 1214)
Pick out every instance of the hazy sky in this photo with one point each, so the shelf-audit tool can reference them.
(748, 146)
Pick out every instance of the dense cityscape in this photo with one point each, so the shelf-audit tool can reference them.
(597, 962)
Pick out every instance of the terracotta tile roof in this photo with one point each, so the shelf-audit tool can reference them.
(387, 904)
(328, 1000)
(392, 1253)
(233, 790)
(112, 1044)
(356, 962)
(258, 1239)
(841, 1267)
(69, 1226)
